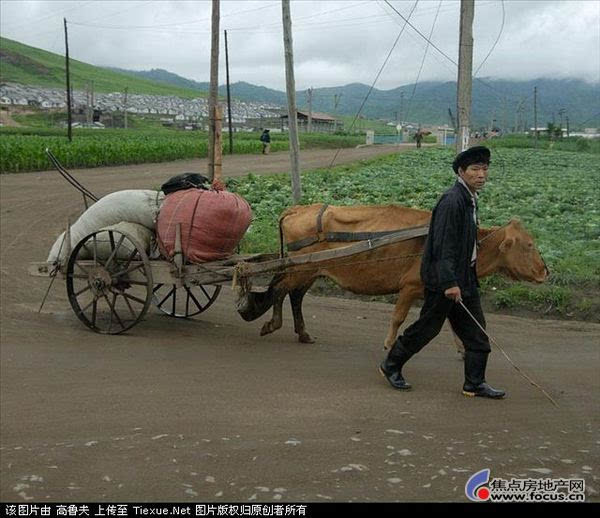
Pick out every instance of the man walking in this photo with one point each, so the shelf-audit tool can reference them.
(449, 275)
(265, 138)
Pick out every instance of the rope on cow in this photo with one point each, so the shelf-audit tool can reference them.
(241, 283)
(508, 357)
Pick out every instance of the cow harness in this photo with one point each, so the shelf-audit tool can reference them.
(335, 237)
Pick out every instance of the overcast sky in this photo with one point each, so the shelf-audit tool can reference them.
(335, 42)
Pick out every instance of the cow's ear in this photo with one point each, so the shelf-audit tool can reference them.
(506, 244)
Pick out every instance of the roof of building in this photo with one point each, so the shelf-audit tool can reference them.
(316, 116)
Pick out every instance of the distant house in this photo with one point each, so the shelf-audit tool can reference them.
(321, 122)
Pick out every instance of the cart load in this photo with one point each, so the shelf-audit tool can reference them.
(212, 223)
(136, 207)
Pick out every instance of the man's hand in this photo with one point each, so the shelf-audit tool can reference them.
(453, 293)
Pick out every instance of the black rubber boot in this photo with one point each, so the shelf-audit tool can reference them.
(391, 367)
(475, 385)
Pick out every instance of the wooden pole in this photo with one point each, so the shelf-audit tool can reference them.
(218, 157)
(290, 86)
(228, 96)
(214, 87)
(535, 123)
(310, 92)
(69, 115)
(125, 108)
(465, 73)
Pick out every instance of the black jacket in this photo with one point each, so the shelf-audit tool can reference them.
(449, 245)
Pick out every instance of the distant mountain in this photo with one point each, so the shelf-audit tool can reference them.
(505, 103)
(240, 90)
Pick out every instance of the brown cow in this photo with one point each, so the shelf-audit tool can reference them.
(394, 268)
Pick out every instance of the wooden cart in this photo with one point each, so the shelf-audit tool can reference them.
(111, 282)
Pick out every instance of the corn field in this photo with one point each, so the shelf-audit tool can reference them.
(96, 148)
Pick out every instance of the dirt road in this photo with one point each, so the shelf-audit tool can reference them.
(206, 410)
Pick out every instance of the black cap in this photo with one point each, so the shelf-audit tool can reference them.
(473, 155)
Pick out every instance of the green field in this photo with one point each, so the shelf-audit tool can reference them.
(23, 149)
(555, 194)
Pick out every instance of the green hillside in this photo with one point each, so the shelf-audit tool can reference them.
(28, 65)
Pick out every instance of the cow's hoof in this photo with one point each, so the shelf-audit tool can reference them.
(267, 328)
(305, 338)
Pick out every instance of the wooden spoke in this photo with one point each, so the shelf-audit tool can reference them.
(129, 270)
(83, 290)
(131, 297)
(114, 315)
(115, 249)
(133, 314)
(187, 303)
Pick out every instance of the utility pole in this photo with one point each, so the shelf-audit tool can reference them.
(568, 126)
(336, 101)
(228, 96)
(561, 112)
(213, 96)
(218, 157)
(88, 117)
(401, 107)
(290, 85)
(535, 123)
(465, 73)
(92, 100)
(309, 93)
(125, 108)
(69, 116)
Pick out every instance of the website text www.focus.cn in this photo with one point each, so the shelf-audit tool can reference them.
(536, 497)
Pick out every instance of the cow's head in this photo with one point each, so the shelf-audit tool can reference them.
(520, 259)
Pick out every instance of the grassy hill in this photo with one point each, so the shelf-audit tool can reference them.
(28, 65)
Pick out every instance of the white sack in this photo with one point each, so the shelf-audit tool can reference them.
(142, 235)
(133, 206)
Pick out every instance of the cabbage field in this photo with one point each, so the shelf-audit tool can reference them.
(554, 193)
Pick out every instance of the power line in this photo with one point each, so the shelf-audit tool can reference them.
(59, 12)
(500, 94)
(423, 60)
(495, 43)
(377, 76)
(174, 24)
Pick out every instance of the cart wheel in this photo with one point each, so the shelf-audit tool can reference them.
(186, 301)
(109, 281)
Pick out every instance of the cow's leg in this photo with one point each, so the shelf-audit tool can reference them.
(296, 297)
(277, 318)
(286, 285)
(405, 300)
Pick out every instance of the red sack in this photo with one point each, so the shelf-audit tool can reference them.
(212, 223)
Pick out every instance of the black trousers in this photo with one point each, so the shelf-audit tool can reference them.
(436, 308)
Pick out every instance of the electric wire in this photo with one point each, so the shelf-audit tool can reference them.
(423, 60)
(376, 78)
(500, 94)
(496, 42)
